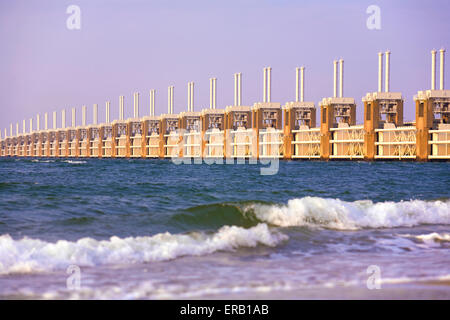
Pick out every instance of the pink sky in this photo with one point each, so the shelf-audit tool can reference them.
(126, 46)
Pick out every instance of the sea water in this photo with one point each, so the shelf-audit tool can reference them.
(151, 229)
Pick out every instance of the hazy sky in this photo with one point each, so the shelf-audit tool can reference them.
(126, 46)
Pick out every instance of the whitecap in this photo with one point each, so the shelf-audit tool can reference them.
(343, 215)
(32, 255)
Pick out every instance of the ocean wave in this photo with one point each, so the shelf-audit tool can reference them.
(216, 215)
(74, 161)
(343, 215)
(42, 161)
(433, 239)
(31, 255)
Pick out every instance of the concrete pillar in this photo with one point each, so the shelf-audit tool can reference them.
(171, 99)
(215, 93)
(441, 73)
(327, 118)
(95, 114)
(239, 88)
(371, 122)
(297, 84)
(189, 96)
(74, 119)
(136, 105)
(63, 119)
(341, 78)
(153, 102)
(265, 86)
(269, 84)
(424, 122)
(54, 120)
(11, 130)
(108, 105)
(235, 89)
(335, 78)
(168, 99)
(24, 129)
(211, 93)
(380, 71)
(433, 69)
(302, 84)
(121, 108)
(192, 96)
(387, 71)
(150, 111)
(83, 116)
(31, 125)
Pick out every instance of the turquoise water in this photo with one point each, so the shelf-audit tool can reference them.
(154, 229)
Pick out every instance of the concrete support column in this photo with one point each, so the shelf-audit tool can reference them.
(424, 121)
(341, 78)
(136, 105)
(265, 86)
(433, 69)
(144, 126)
(121, 108)
(335, 78)
(63, 119)
(211, 93)
(168, 99)
(95, 114)
(371, 122)
(302, 84)
(128, 141)
(235, 89)
(107, 113)
(380, 71)
(192, 96)
(74, 121)
(153, 102)
(239, 88)
(172, 89)
(387, 71)
(215, 93)
(54, 120)
(442, 66)
(83, 116)
(327, 117)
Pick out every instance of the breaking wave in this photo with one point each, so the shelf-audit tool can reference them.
(433, 239)
(342, 215)
(74, 161)
(32, 255)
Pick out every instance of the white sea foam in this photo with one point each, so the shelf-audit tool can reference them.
(75, 161)
(31, 255)
(342, 215)
(433, 239)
